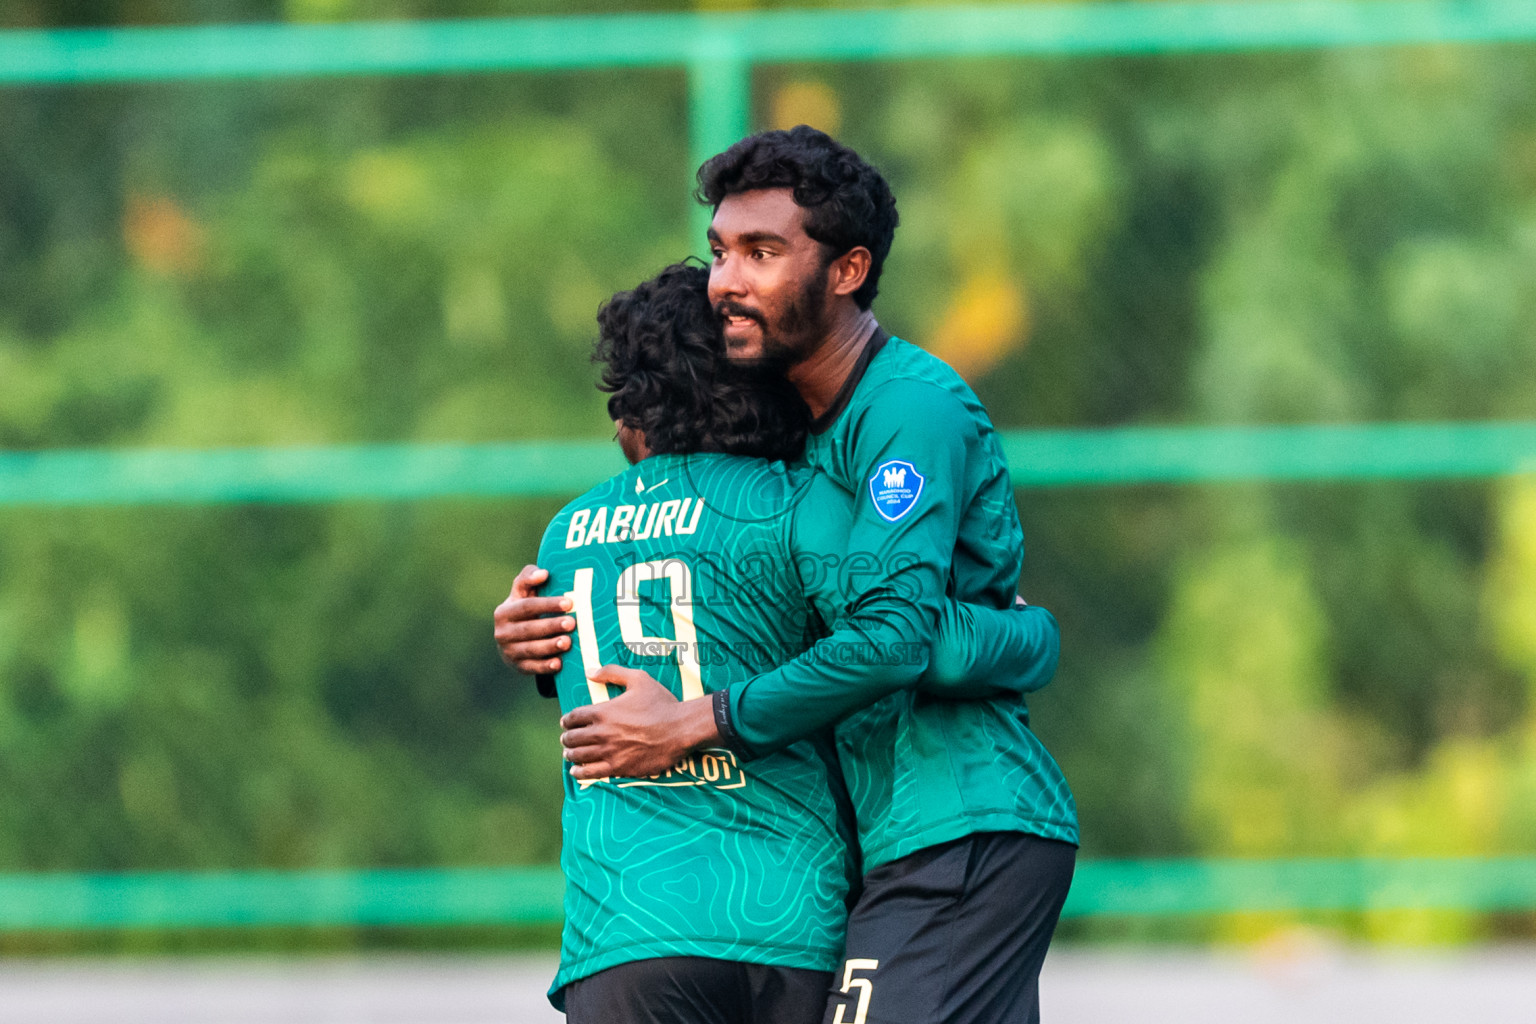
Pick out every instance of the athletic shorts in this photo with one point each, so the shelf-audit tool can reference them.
(697, 990)
(955, 933)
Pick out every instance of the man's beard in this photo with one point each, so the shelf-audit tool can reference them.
(800, 329)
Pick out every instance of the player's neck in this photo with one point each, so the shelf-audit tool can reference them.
(820, 376)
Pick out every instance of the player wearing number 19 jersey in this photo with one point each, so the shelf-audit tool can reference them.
(690, 567)
(686, 564)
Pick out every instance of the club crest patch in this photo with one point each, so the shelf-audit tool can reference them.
(895, 488)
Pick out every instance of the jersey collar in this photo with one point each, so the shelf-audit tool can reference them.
(844, 394)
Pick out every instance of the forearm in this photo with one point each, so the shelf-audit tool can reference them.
(857, 665)
(697, 724)
(984, 652)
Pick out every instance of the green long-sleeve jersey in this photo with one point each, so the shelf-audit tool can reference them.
(702, 570)
(934, 520)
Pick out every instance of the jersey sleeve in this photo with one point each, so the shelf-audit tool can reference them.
(549, 545)
(816, 541)
(982, 652)
(909, 452)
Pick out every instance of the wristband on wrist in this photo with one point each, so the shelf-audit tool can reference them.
(720, 702)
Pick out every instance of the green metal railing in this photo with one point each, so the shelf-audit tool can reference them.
(1039, 458)
(717, 52)
(649, 40)
(532, 896)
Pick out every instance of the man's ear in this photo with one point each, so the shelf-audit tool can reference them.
(847, 273)
(631, 441)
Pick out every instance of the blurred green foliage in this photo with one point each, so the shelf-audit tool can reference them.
(1246, 670)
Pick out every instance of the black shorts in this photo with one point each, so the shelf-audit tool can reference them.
(954, 933)
(697, 990)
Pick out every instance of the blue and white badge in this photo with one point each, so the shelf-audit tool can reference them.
(895, 488)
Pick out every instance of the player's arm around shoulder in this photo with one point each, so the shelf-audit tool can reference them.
(977, 652)
(909, 453)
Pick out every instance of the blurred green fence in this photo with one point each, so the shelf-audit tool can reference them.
(718, 52)
(525, 896)
(1039, 458)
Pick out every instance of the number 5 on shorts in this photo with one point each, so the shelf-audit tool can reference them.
(864, 985)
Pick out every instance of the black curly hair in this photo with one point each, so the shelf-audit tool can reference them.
(847, 202)
(667, 371)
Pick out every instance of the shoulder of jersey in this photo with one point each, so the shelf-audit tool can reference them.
(773, 486)
(614, 487)
(901, 360)
(911, 362)
(594, 495)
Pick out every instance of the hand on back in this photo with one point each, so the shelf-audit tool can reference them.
(530, 631)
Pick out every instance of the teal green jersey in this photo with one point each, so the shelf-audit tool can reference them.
(934, 518)
(703, 570)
